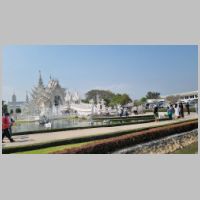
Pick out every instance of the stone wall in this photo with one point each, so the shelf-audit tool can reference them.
(163, 146)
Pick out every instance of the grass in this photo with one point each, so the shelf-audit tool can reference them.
(190, 149)
(49, 150)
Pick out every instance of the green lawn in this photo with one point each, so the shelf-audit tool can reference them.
(191, 149)
(53, 149)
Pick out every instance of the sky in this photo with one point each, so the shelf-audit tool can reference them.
(132, 69)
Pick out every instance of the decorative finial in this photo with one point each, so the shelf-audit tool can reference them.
(40, 79)
(27, 97)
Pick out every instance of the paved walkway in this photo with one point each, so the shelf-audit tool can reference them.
(54, 136)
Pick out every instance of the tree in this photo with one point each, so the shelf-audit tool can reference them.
(84, 101)
(120, 99)
(18, 110)
(143, 100)
(102, 94)
(173, 99)
(110, 98)
(153, 95)
(137, 102)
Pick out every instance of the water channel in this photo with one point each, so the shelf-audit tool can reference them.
(56, 124)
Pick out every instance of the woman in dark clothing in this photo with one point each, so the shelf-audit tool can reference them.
(181, 110)
(156, 114)
(188, 108)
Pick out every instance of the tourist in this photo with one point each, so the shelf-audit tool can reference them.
(196, 107)
(121, 112)
(135, 110)
(188, 108)
(5, 127)
(177, 111)
(12, 121)
(172, 109)
(170, 112)
(181, 110)
(156, 114)
(126, 113)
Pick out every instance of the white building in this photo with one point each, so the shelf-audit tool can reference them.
(54, 101)
(186, 96)
(189, 96)
(14, 104)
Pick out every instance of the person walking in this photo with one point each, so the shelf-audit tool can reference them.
(170, 112)
(156, 114)
(135, 110)
(188, 108)
(126, 112)
(181, 110)
(5, 127)
(196, 107)
(121, 112)
(12, 121)
(177, 111)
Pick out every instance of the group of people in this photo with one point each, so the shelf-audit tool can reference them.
(7, 123)
(173, 111)
(177, 111)
(123, 112)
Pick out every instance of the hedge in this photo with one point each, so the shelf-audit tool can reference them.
(112, 144)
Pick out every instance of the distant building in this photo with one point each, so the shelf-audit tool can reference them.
(190, 97)
(14, 104)
(186, 96)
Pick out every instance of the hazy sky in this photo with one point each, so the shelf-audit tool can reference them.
(125, 69)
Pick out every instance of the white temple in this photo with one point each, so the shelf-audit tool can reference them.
(50, 99)
(53, 100)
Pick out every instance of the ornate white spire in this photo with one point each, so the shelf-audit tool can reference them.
(14, 97)
(98, 98)
(27, 97)
(40, 84)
